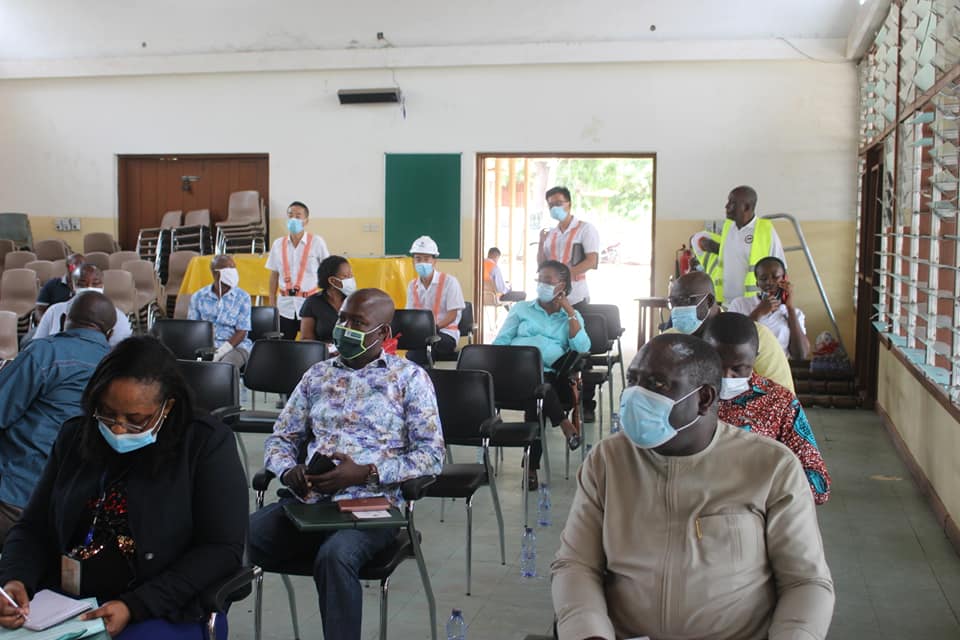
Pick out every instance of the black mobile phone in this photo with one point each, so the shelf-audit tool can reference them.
(319, 464)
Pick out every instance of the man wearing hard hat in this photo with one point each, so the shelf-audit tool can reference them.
(436, 292)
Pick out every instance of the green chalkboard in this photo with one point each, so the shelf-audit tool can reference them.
(422, 198)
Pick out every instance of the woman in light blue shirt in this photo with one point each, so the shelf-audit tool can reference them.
(552, 325)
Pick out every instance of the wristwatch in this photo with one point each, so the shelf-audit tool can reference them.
(373, 476)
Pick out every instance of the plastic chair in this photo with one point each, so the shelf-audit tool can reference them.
(415, 329)
(18, 293)
(6, 246)
(9, 345)
(118, 286)
(43, 269)
(148, 290)
(176, 268)
(599, 356)
(276, 366)
(100, 241)
(194, 234)
(187, 339)
(18, 259)
(245, 224)
(611, 315)
(99, 259)
(264, 323)
(50, 250)
(118, 258)
(468, 329)
(468, 417)
(59, 268)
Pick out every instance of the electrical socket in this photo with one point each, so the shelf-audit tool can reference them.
(74, 224)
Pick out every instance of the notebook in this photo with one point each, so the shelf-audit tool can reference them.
(377, 503)
(58, 613)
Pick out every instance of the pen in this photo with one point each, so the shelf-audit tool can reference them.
(9, 599)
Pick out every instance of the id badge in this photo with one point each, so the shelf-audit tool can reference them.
(70, 575)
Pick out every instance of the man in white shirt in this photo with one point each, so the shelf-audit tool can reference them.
(773, 307)
(54, 319)
(293, 261)
(436, 292)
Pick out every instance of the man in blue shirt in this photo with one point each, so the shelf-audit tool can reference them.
(228, 308)
(40, 390)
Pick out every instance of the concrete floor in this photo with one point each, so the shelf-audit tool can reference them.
(896, 574)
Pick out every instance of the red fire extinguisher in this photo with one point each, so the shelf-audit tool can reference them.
(684, 260)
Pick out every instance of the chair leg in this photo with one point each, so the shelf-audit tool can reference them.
(623, 378)
(424, 576)
(292, 597)
(243, 456)
(384, 592)
(543, 446)
(469, 539)
(212, 626)
(496, 510)
(566, 464)
(443, 504)
(524, 491)
(258, 607)
(610, 399)
(599, 412)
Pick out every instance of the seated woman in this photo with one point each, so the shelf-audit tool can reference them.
(143, 502)
(320, 311)
(552, 325)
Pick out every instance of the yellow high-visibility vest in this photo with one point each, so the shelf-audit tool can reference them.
(759, 249)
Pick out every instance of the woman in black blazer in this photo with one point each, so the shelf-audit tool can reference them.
(149, 501)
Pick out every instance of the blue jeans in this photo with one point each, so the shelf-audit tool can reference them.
(336, 558)
(157, 629)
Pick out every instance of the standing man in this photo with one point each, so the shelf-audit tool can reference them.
(493, 279)
(40, 390)
(436, 292)
(293, 262)
(729, 259)
(227, 307)
(575, 243)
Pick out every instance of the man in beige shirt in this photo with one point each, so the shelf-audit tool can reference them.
(684, 527)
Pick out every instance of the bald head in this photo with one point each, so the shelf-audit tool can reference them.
(695, 283)
(687, 360)
(374, 304)
(741, 204)
(92, 310)
(222, 261)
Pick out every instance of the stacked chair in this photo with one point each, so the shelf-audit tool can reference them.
(194, 234)
(147, 287)
(244, 230)
(176, 268)
(153, 244)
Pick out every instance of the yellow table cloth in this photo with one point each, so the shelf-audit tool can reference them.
(389, 274)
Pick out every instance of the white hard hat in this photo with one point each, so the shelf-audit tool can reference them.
(425, 244)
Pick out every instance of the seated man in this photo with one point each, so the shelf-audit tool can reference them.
(760, 405)
(437, 292)
(59, 289)
(227, 307)
(683, 526)
(90, 279)
(493, 279)
(773, 308)
(692, 303)
(376, 415)
(40, 390)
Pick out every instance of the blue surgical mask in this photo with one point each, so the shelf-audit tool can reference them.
(424, 269)
(558, 213)
(686, 319)
(645, 416)
(129, 441)
(352, 343)
(546, 291)
(294, 225)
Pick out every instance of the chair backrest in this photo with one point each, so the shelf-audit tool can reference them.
(18, 290)
(99, 241)
(118, 286)
(99, 258)
(596, 328)
(182, 307)
(117, 259)
(44, 269)
(196, 218)
(466, 320)
(145, 278)
(50, 249)
(413, 327)
(465, 400)
(6, 246)
(184, 337)
(171, 219)
(516, 371)
(276, 366)
(8, 335)
(176, 267)
(243, 207)
(59, 268)
(18, 259)
(611, 314)
(263, 320)
(214, 385)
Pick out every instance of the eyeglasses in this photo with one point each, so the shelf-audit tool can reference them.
(685, 301)
(130, 427)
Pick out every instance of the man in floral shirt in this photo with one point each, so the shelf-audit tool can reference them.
(759, 404)
(376, 416)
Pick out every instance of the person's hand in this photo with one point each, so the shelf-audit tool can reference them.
(115, 614)
(543, 235)
(768, 304)
(561, 298)
(295, 479)
(786, 296)
(13, 617)
(347, 474)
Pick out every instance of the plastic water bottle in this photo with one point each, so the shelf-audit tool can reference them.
(479, 455)
(528, 554)
(456, 626)
(544, 519)
(614, 423)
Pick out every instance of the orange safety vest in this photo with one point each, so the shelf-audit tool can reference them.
(438, 297)
(551, 247)
(287, 281)
(488, 265)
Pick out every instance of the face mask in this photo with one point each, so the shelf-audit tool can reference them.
(229, 276)
(685, 319)
(130, 441)
(294, 225)
(351, 343)
(80, 290)
(645, 416)
(424, 269)
(75, 274)
(558, 213)
(546, 292)
(347, 286)
(730, 388)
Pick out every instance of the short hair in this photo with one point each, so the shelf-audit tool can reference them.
(493, 252)
(733, 329)
(696, 359)
(768, 260)
(555, 190)
(297, 203)
(328, 269)
(562, 270)
(750, 195)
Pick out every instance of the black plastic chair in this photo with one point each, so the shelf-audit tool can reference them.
(600, 356)
(264, 323)
(187, 339)
(381, 566)
(517, 384)
(468, 417)
(230, 589)
(415, 329)
(611, 314)
(468, 329)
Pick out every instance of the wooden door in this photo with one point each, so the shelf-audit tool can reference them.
(151, 185)
(868, 342)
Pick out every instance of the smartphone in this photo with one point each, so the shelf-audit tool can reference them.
(319, 464)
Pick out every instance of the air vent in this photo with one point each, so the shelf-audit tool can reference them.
(368, 96)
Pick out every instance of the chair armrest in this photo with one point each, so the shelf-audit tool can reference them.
(432, 340)
(227, 415)
(261, 480)
(541, 391)
(489, 426)
(415, 488)
(230, 589)
(205, 354)
(273, 335)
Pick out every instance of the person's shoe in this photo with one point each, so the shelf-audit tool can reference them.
(589, 415)
(532, 482)
(573, 442)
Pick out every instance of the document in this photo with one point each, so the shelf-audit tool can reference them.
(366, 515)
(54, 617)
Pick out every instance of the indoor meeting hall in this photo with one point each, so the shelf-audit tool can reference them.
(613, 320)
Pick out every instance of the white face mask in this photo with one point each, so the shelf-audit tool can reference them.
(730, 388)
(347, 285)
(229, 276)
(80, 290)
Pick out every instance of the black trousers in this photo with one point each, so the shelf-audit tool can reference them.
(557, 395)
(446, 345)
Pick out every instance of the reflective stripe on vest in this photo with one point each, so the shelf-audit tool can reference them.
(759, 249)
(567, 254)
(285, 259)
(437, 299)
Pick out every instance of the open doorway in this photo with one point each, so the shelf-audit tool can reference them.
(614, 192)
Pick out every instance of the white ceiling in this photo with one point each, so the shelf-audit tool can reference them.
(66, 29)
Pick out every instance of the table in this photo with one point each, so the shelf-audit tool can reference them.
(326, 516)
(649, 320)
(389, 274)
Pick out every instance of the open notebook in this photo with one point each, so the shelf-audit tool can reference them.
(56, 617)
